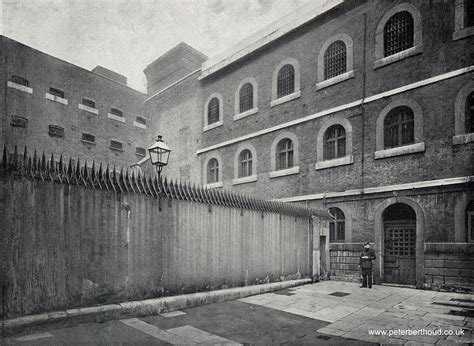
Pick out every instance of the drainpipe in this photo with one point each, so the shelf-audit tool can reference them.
(364, 80)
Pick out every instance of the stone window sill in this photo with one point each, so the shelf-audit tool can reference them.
(398, 56)
(139, 125)
(116, 117)
(244, 180)
(338, 79)
(463, 139)
(286, 98)
(20, 87)
(56, 99)
(285, 172)
(213, 185)
(404, 150)
(212, 126)
(116, 149)
(246, 113)
(342, 161)
(463, 33)
(87, 142)
(88, 109)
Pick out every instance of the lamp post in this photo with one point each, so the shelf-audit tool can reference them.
(159, 154)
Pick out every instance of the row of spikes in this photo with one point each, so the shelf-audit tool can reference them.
(125, 181)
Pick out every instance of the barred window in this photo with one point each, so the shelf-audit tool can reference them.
(398, 33)
(88, 102)
(469, 13)
(141, 120)
(470, 113)
(115, 145)
(140, 151)
(286, 81)
(116, 112)
(17, 121)
(86, 137)
(246, 97)
(212, 171)
(245, 163)
(284, 154)
(335, 142)
(399, 127)
(56, 131)
(337, 226)
(335, 60)
(56, 92)
(470, 222)
(213, 111)
(20, 80)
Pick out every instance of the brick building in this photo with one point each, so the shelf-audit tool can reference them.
(61, 108)
(363, 108)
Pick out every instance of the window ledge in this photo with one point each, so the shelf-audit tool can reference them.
(244, 180)
(56, 99)
(463, 139)
(20, 87)
(213, 185)
(406, 149)
(87, 142)
(398, 56)
(463, 33)
(88, 109)
(139, 125)
(246, 113)
(116, 149)
(284, 172)
(286, 98)
(334, 80)
(213, 125)
(116, 117)
(346, 160)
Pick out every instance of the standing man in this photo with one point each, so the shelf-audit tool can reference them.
(365, 264)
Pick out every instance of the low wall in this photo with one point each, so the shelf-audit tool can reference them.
(344, 259)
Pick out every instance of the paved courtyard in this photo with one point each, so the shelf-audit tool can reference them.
(328, 312)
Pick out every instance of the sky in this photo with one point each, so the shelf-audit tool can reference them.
(127, 35)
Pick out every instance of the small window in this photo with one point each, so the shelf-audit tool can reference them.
(337, 226)
(141, 120)
(20, 80)
(398, 33)
(19, 122)
(56, 92)
(56, 131)
(470, 113)
(284, 154)
(335, 60)
(334, 142)
(246, 97)
(116, 145)
(213, 111)
(245, 163)
(470, 222)
(469, 13)
(286, 81)
(212, 171)
(88, 103)
(86, 137)
(116, 112)
(140, 151)
(399, 127)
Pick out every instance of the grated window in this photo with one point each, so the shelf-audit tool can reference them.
(213, 111)
(245, 163)
(17, 121)
(470, 113)
(116, 112)
(141, 120)
(115, 145)
(337, 226)
(398, 33)
(400, 240)
(469, 10)
(246, 97)
(20, 80)
(399, 127)
(140, 151)
(284, 154)
(335, 60)
(86, 137)
(335, 142)
(88, 103)
(286, 81)
(56, 131)
(212, 171)
(56, 92)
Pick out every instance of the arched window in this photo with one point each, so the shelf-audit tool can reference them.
(245, 163)
(470, 222)
(335, 59)
(213, 111)
(246, 97)
(469, 118)
(212, 171)
(334, 142)
(284, 154)
(398, 33)
(399, 127)
(286, 81)
(337, 226)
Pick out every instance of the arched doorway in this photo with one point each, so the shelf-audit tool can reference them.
(399, 227)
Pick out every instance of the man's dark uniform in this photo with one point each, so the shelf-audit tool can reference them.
(365, 262)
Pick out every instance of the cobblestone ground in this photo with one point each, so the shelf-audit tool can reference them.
(357, 313)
